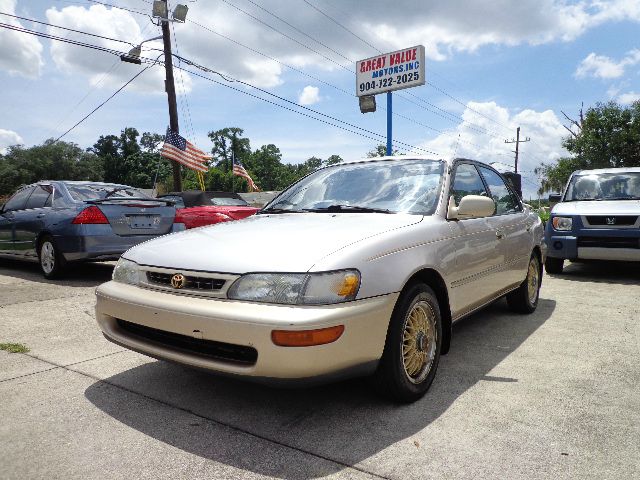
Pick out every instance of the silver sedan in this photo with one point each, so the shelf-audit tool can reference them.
(357, 269)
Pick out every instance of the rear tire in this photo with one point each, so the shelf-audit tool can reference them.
(554, 265)
(52, 263)
(412, 349)
(524, 299)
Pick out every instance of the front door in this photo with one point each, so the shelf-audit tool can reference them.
(479, 257)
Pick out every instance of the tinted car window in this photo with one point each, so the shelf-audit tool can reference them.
(227, 201)
(89, 191)
(174, 198)
(18, 201)
(467, 181)
(506, 201)
(41, 197)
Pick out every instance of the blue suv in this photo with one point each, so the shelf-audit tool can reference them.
(598, 218)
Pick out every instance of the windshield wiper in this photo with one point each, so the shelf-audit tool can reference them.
(347, 208)
(279, 210)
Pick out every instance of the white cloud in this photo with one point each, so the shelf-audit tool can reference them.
(601, 66)
(628, 98)
(468, 140)
(104, 69)
(21, 53)
(309, 95)
(8, 138)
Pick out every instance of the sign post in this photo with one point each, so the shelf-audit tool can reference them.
(388, 72)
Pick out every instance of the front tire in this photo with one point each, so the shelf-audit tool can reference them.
(524, 299)
(412, 349)
(554, 265)
(51, 261)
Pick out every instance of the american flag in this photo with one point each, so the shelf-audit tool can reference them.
(239, 170)
(177, 148)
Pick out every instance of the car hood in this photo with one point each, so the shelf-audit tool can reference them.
(598, 207)
(292, 242)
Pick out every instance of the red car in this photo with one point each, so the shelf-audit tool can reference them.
(197, 209)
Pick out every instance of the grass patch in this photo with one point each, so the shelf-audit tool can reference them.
(14, 347)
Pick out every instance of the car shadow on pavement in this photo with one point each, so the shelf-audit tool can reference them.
(621, 273)
(322, 430)
(77, 274)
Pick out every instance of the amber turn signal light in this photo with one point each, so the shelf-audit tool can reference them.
(306, 338)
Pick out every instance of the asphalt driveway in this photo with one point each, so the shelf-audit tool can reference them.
(555, 394)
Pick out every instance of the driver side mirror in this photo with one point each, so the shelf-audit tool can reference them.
(471, 206)
(555, 197)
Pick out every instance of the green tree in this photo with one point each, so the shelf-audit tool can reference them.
(607, 135)
(380, 151)
(227, 143)
(49, 161)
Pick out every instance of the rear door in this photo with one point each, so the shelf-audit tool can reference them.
(512, 227)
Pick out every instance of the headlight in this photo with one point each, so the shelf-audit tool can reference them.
(297, 288)
(126, 271)
(562, 223)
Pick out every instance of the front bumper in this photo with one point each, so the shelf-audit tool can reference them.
(245, 324)
(590, 245)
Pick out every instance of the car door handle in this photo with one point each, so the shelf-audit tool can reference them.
(499, 235)
(40, 215)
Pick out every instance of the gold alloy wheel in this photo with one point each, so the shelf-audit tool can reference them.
(419, 340)
(533, 281)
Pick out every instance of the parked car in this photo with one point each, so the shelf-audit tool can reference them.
(57, 222)
(197, 208)
(598, 218)
(357, 269)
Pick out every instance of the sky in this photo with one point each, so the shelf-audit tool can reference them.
(284, 72)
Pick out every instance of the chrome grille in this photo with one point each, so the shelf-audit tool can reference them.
(191, 282)
(611, 220)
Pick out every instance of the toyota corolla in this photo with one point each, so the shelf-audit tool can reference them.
(357, 269)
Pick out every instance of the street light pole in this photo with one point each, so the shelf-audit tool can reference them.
(170, 88)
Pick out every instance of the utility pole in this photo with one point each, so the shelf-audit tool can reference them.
(517, 141)
(170, 88)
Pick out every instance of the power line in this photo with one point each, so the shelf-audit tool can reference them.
(156, 62)
(66, 28)
(380, 51)
(103, 103)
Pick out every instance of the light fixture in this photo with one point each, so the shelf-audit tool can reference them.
(134, 54)
(160, 9)
(180, 13)
(367, 103)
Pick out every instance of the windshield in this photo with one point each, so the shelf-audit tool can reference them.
(408, 186)
(604, 186)
(228, 202)
(83, 192)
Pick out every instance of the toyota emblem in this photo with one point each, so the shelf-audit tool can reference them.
(178, 281)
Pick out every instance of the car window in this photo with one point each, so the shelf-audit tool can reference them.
(228, 202)
(41, 197)
(407, 186)
(174, 198)
(467, 181)
(18, 201)
(506, 201)
(90, 191)
(604, 186)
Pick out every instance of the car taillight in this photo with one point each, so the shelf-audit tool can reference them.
(90, 215)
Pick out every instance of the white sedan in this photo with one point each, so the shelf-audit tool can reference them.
(357, 269)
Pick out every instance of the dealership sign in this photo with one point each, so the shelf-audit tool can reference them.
(390, 71)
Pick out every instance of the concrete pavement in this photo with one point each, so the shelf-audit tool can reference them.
(549, 395)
